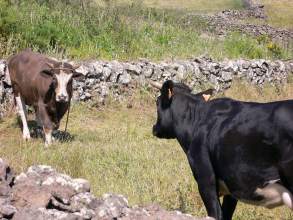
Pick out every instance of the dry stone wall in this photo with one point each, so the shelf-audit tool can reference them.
(118, 79)
(227, 21)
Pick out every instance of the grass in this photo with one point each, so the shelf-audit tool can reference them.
(202, 6)
(123, 31)
(280, 13)
(114, 149)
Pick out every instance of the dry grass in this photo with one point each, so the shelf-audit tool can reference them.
(280, 12)
(245, 92)
(191, 5)
(115, 150)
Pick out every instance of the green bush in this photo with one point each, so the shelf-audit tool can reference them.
(242, 46)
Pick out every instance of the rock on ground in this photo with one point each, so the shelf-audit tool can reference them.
(42, 193)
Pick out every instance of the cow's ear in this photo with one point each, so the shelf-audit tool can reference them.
(77, 75)
(47, 73)
(167, 90)
(206, 95)
(49, 70)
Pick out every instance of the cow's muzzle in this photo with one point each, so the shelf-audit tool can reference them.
(62, 98)
(155, 131)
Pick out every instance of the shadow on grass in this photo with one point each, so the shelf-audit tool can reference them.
(63, 136)
(37, 132)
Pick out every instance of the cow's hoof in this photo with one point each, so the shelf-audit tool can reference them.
(47, 144)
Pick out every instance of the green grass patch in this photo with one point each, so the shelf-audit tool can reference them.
(114, 149)
(118, 31)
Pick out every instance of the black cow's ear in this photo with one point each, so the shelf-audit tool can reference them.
(206, 95)
(167, 90)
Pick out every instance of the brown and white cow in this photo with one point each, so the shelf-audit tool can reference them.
(43, 83)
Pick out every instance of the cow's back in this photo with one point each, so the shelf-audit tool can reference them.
(24, 69)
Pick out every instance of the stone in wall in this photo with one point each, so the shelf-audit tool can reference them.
(118, 79)
(6, 99)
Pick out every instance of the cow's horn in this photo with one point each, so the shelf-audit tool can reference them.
(50, 65)
(156, 84)
(76, 66)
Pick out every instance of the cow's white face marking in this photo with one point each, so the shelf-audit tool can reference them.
(61, 90)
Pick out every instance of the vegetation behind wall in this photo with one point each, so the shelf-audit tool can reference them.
(118, 30)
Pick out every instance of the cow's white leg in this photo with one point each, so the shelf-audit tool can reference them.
(46, 123)
(48, 137)
(22, 113)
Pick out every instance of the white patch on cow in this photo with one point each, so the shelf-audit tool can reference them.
(287, 199)
(61, 90)
(274, 195)
(22, 113)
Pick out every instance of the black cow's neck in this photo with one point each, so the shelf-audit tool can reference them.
(186, 116)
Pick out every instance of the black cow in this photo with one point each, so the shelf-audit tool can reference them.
(239, 150)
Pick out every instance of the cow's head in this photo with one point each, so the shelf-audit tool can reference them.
(62, 75)
(166, 105)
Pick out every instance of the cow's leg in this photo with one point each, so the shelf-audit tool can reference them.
(228, 207)
(47, 123)
(48, 136)
(285, 169)
(38, 119)
(23, 115)
(39, 128)
(285, 165)
(204, 174)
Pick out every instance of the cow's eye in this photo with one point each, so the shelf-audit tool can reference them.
(54, 79)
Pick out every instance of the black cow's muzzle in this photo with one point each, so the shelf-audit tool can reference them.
(155, 132)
